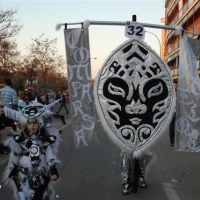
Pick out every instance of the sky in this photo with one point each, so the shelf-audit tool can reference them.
(39, 17)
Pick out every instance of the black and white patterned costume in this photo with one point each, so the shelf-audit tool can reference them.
(33, 159)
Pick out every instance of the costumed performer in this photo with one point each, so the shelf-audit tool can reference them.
(32, 165)
(135, 101)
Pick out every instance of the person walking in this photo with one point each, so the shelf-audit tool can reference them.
(67, 98)
(8, 96)
(62, 103)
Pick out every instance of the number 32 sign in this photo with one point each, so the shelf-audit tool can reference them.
(134, 29)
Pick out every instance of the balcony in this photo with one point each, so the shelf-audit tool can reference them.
(170, 5)
(180, 17)
(181, 13)
(172, 48)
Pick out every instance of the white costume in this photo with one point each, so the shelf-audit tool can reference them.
(33, 158)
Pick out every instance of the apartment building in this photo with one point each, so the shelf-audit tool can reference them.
(185, 13)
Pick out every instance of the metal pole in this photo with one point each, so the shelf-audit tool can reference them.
(135, 174)
(134, 18)
(124, 23)
(115, 23)
(118, 23)
(157, 39)
(135, 164)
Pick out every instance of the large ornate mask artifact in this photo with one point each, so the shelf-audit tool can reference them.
(134, 96)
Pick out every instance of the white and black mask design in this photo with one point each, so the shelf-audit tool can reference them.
(134, 95)
(33, 111)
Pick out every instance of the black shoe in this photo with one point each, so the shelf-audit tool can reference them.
(171, 144)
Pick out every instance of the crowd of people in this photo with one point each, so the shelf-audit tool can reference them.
(10, 98)
(42, 97)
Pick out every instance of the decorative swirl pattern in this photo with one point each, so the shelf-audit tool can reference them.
(134, 95)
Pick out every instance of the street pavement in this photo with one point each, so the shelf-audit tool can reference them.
(93, 173)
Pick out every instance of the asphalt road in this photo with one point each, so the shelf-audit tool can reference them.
(93, 173)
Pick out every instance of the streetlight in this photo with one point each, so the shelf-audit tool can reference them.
(157, 39)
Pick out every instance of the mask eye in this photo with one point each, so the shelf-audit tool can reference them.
(116, 90)
(155, 91)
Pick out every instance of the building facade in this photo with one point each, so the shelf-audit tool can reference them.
(184, 13)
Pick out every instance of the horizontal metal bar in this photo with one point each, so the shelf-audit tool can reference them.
(124, 23)
(143, 24)
(117, 23)
(108, 23)
(72, 23)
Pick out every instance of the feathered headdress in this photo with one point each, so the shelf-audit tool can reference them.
(34, 110)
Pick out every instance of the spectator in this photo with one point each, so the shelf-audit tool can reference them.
(63, 103)
(67, 98)
(26, 98)
(21, 102)
(58, 95)
(47, 98)
(43, 98)
(30, 96)
(37, 96)
(8, 96)
(51, 96)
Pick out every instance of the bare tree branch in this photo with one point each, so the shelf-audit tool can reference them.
(9, 26)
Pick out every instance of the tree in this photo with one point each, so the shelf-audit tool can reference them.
(57, 81)
(28, 68)
(9, 26)
(9, 58)
(45, 55)
(18, 85)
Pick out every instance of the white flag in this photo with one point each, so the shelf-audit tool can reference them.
(187, 126)
(80, 86)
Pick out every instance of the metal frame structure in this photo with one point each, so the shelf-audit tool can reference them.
(118, 23)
